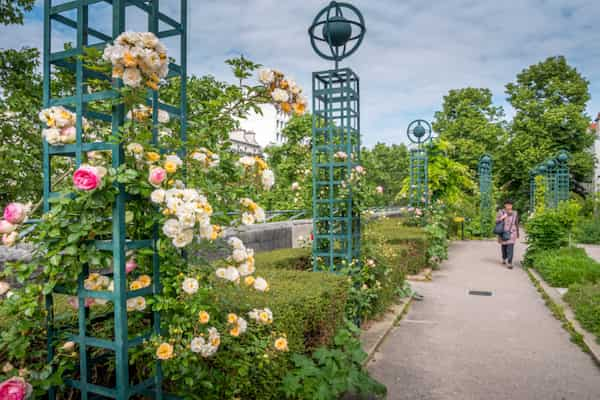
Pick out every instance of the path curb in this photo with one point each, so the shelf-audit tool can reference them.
(589, 340)
(372, 338)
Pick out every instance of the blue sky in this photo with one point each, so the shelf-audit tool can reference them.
(413, 53)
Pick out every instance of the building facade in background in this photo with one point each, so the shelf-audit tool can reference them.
(258, 131)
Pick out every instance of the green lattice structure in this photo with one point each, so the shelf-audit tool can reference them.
(76, 15)
(485, 194)
(532, 189)
(551, 183)
(419, 132)
(336, 130)
(563, 177)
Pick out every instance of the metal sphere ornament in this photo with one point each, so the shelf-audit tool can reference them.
(542, 169)
(419, 131)
(486, 159)
(563, 157)
(343, 34)
(551, 164)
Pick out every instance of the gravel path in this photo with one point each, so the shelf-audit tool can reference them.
(461, 347)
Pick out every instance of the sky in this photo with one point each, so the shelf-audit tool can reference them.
(413, 53)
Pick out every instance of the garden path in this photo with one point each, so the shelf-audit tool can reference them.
(458, 346)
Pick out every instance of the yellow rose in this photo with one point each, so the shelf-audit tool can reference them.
(152, 85)
(235, 331)
(263, 316)
(145, 280)
(129, 60)
(299, 108)
(286, 107)
(152, 156)
(232, 318)
(164, 351)
(170, 167)
(281, 344)
(216, 341)
(135, 285)
(203, 317)
(249, 280)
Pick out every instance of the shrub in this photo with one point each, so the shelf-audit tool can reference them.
(566, 266)
(584, 299)
(588, 231)
(332, 372)
(308, 306)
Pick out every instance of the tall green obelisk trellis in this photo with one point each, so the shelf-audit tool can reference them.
(485, 194)
(335, 138)
(76, 15)
(556, 177)
(551, 183)
(419, 132)
(563, 177)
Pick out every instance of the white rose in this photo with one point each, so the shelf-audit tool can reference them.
(221, 273)
(190, 285)
(261, 284)
(132, 77)
(197, 344)
(52, 135)
(268, 179)
(206, 231)
(171, 228)
(232, 274)
(239, 255)
(259, 214)
(248, 219)
(280, 95)
(266, 76)
(158, 196)
(236, 243)
(163, 117)
(4, 288)
(175, 159)
(184, 238)
(187, 220)
(246, 269)
(295, 186)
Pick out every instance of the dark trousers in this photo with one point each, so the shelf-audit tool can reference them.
(507, 252)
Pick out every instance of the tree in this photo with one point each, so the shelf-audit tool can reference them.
(12, 11)
(550, 100)
(387, 167)
(472, 123)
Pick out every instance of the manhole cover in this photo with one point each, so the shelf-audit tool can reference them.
(480, 293)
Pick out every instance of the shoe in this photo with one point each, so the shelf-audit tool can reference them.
(503, 262)
(510, 266)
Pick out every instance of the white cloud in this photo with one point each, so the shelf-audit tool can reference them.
(413, 53)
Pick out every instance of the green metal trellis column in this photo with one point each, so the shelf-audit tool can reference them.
(419, 132)
(485, 193)
(532, 188)
(563, 177)
(335, 138)
(551, 183)
(81, 102)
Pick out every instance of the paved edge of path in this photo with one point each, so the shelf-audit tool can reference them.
(379, 329)
(583, 338)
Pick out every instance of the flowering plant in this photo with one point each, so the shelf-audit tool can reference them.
(285, 92)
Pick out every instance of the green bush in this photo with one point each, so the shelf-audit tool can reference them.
(295, 259)
(566, 266)
(588, 231)
(307, 306)
(584, 299)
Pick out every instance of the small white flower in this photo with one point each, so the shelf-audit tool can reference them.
(259, 214)
(232, 274)
(171, 228)
(248, 218)
(163, 117)
(266, 76)
(236, 243)
(174, 159)
(239, 255)
(4, 288)
(268, 179)
(246, 269)
(132, 77)
(295, 186)
(52, 135)
(158, 196)
(197, 344)
(221, 273)
(280, 95)
(184, 238)
(190, 285)
(261, 284)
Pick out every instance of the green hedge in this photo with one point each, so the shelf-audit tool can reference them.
(308, 307)
(566, 266)
(585, 302)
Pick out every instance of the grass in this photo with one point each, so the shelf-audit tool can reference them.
(566, 266)
(584, 299)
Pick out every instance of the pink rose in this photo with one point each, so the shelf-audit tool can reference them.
(86, 178)
(379, 189)
(15, 389)
(130, 265)
(157, 176)
(74, 303)
(15, 213)
(6, 227)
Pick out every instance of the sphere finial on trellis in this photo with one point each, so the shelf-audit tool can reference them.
(342, 34)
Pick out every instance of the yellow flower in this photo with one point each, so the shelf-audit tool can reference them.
(299, 108)
(252, 206)
(286, 107)
(232, 318)
(170, 167)
(135, 285)
(51, 122)
(152, 85)
(281, 344)
(284, 84)
(235, 331)
(145, 280)
(203, 317)
(216, 341)
(459, 219)
(261, 163)
(164, 351)
(162, 56)
(129, 60)
(249, 280)
(152, 156)
(117, 71)
(263, 316)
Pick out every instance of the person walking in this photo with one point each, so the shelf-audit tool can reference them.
(507, 239)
